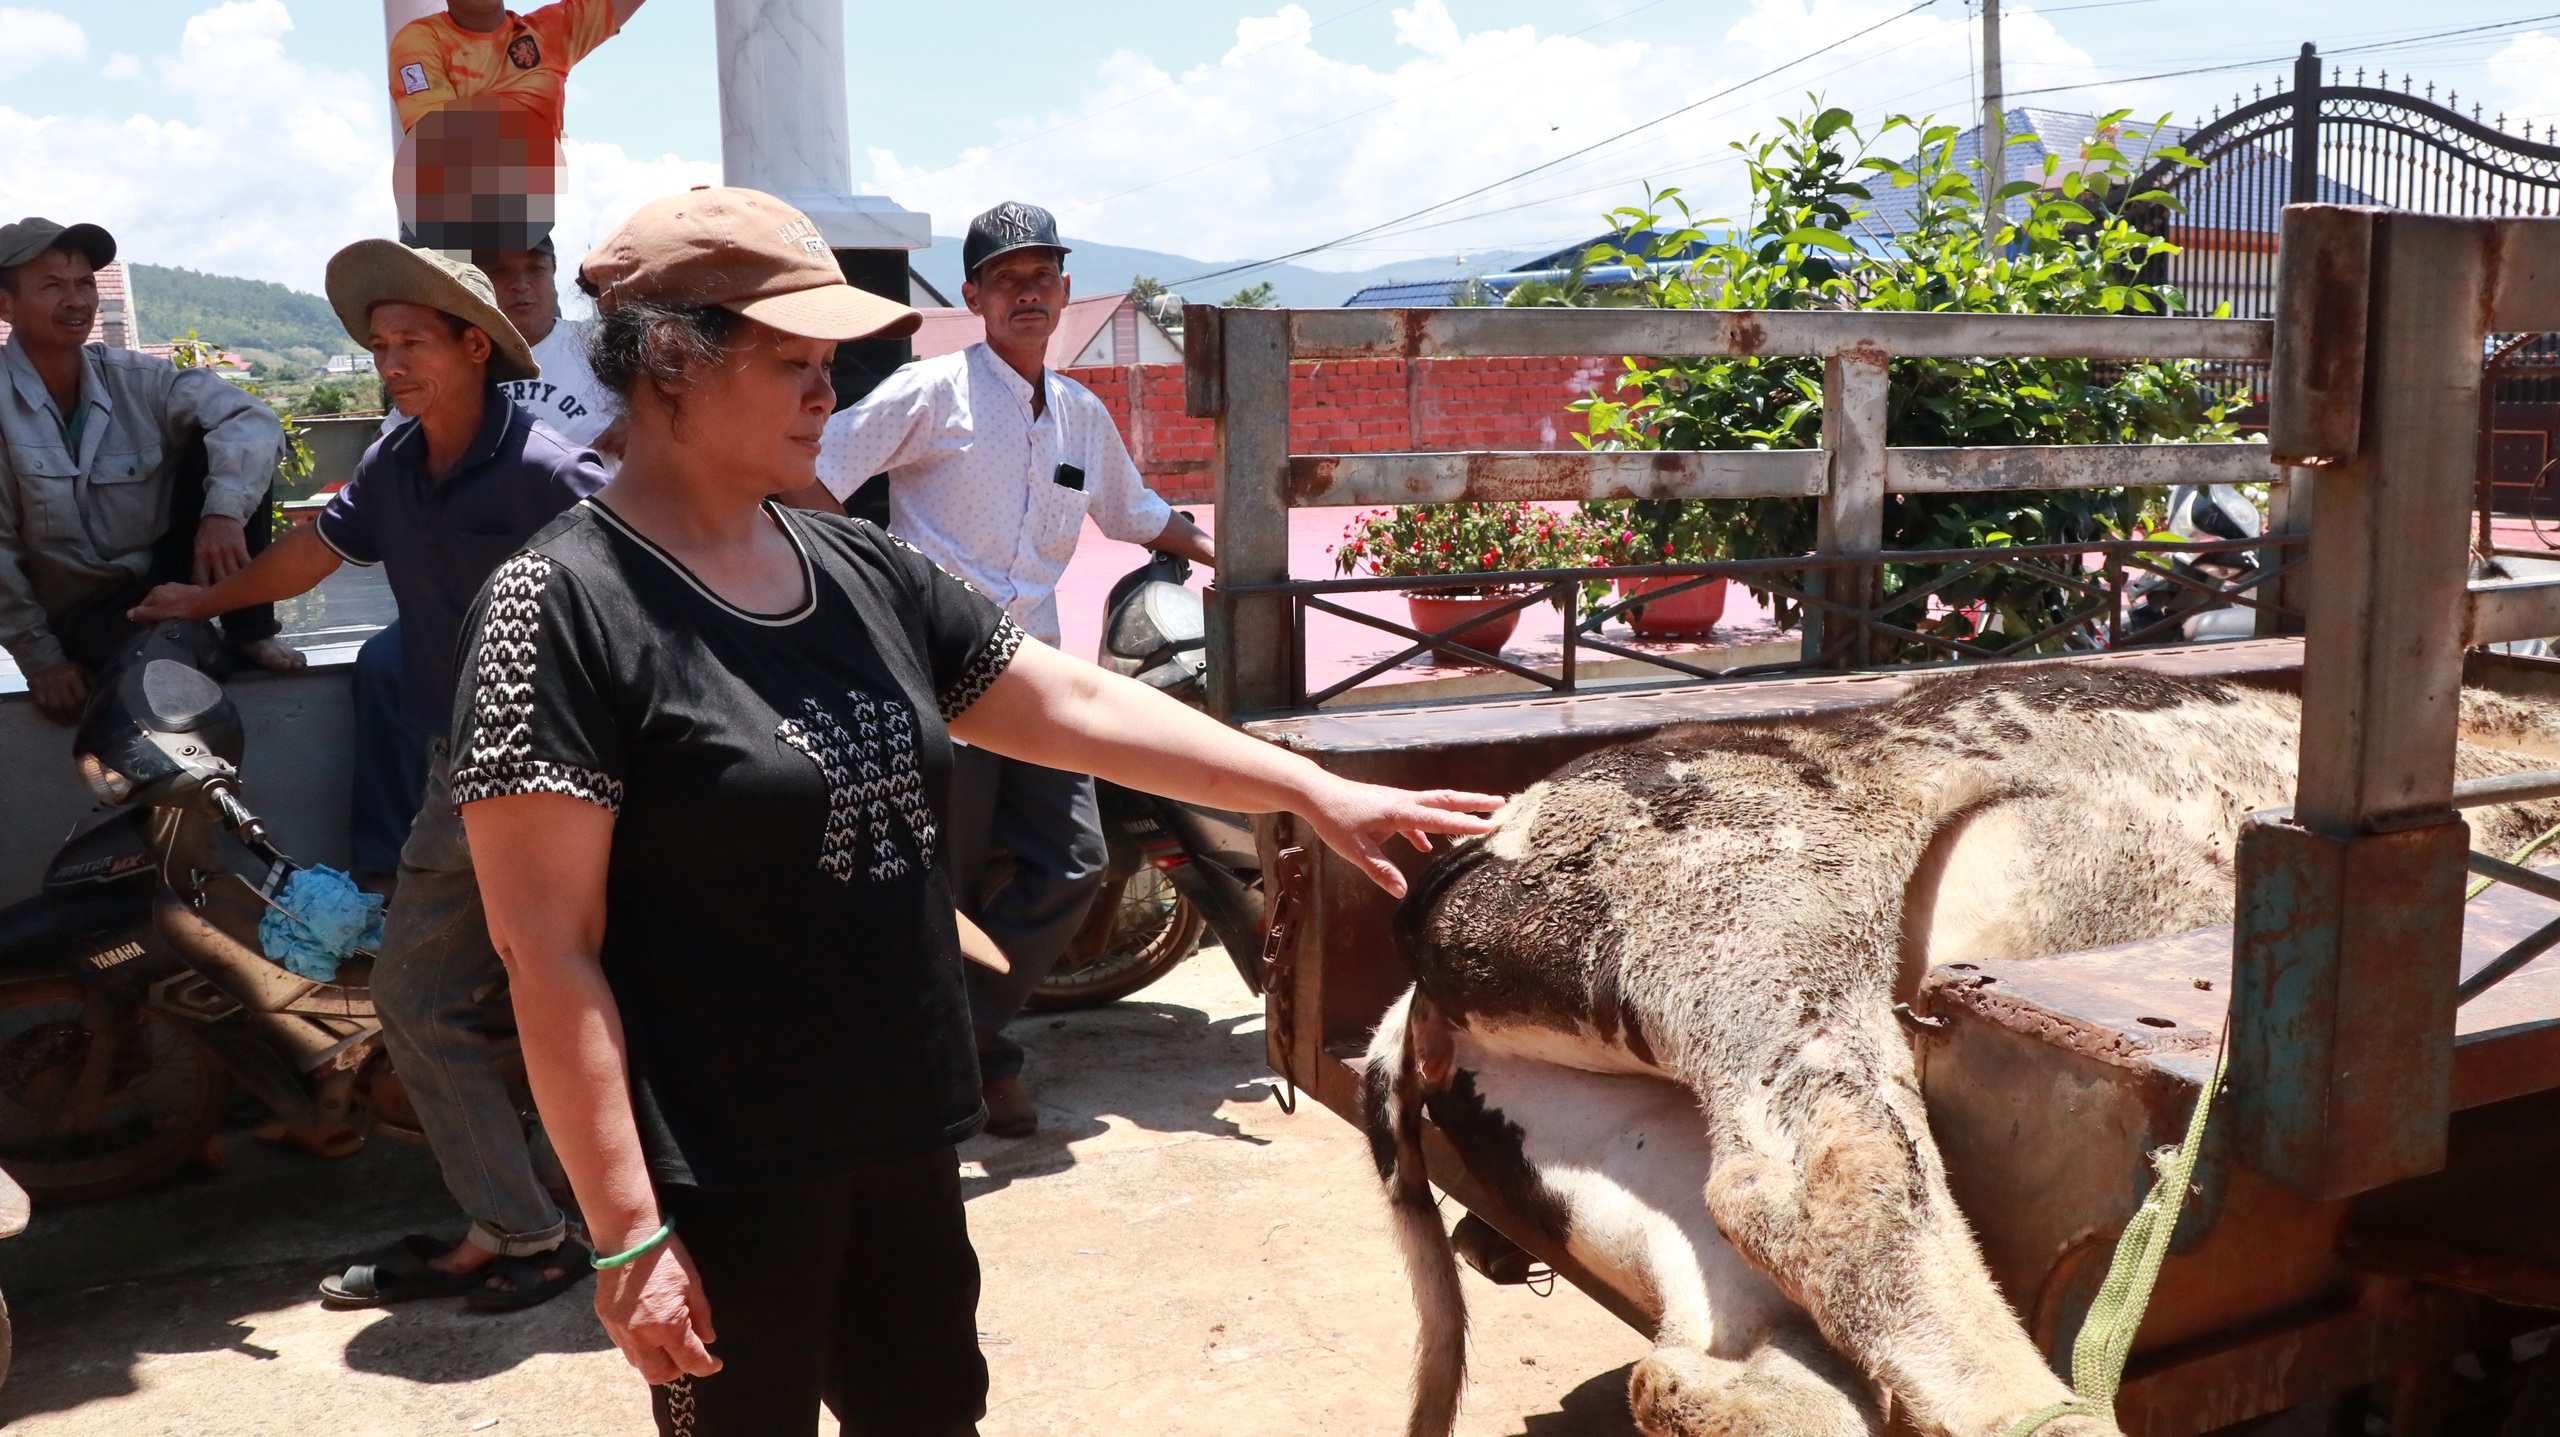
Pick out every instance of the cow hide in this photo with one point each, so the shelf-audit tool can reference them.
(1734, 909)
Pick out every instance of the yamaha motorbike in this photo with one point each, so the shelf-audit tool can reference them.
(134, 994)
(1175, 870)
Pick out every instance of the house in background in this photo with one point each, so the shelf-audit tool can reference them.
(117, 325)
(1106, 329)
(2231, 210)
(1557, 267)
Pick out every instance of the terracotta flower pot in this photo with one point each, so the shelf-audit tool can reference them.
(1431, 614)
(1691, 611)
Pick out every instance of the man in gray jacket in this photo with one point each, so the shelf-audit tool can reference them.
(117, 471)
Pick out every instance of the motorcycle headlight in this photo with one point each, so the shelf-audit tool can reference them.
(109, 786)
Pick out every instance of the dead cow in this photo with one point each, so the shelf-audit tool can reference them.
(1734, 910)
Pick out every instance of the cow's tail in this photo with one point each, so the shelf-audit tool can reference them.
(1392, 1091)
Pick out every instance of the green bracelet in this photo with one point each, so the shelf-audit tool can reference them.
(665, 1231)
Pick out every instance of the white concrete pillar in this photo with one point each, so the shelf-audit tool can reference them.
(783, 127)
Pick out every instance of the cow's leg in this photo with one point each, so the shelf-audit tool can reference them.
(1826, 1178)
(1793, 1385)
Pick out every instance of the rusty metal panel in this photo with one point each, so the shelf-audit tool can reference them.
(2315, 402)
(2077, 466)
(2253, 1373)
(2524, 275)
(1204, 390)
(2505, 609)
(2384, 617)
(1344, 480)
(1589, 720)
(1473, 333)
(2489, 1224)
(2346, 955)
(1250, 646)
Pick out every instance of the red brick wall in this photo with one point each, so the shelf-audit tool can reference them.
(1362, 406)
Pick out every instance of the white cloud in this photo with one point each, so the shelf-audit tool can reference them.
(120, 66)
(286, 162)
(2526, 77)
(29, 38)
(1277, 145)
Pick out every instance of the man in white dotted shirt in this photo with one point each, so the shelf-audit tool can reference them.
(994, 463)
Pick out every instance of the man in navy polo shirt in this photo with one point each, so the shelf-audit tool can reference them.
(439, 503)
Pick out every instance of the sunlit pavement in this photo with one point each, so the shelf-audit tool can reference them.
(1170, 1254)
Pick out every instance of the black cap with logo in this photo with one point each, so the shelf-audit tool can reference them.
(1008, 227)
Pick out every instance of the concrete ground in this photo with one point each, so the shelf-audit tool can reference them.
(1171, 1254)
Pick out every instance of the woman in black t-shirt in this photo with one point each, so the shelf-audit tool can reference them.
(700, 746)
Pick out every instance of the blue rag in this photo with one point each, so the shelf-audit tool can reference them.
(320, 918)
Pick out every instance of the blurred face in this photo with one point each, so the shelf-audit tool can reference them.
(52, 299)
(1019, 295)
(425, 367)
(526, 281)
(757, 418)
(482, 16)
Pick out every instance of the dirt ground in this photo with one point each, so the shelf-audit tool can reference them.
(1171, 1254)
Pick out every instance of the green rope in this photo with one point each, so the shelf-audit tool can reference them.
(2106, 1334)
(2481, 885)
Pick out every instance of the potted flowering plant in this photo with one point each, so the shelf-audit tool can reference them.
(1430, 539)
(1658, 531)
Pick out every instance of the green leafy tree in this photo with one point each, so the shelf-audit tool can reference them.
(1811, 244)
(1254, 296)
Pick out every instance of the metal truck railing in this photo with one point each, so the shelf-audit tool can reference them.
(1236, 369)
(2347, 947)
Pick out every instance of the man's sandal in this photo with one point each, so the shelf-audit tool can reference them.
(398, 1273)
(526, 1285)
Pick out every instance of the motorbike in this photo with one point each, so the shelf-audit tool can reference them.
(134, 993)
(1175, 870)
(2198, 513)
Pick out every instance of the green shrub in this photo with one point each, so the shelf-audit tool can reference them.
(1810, 244)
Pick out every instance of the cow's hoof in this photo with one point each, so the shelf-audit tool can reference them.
(1683, 1392)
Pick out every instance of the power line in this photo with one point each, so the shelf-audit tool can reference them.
(1356, 114)
(2400, 44)
(1558, 160)
(1162, 90)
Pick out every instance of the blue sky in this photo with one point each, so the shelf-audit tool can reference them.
(250, 136)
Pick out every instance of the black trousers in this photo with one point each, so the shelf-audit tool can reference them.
(92, 632)
(860, 1291)
(1046, 818)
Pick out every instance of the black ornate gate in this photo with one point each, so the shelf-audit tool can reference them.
(2340, 142)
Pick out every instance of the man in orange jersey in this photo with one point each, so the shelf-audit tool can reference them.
(480, 48)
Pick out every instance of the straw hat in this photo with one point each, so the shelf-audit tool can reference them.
(746, 252)
(381, 271)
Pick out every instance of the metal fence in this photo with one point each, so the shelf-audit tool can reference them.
(1237, 367)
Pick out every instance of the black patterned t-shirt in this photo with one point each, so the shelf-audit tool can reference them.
(778, 935)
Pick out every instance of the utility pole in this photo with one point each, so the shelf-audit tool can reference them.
(1995, 146)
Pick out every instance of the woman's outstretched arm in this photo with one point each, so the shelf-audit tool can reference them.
(541, 862)
(1049, 709)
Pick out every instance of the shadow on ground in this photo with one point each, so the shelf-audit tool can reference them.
(92, 1287)
(1597, 1408)
(1091, 1066)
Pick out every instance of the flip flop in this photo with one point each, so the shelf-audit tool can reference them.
(527, 1286)
(398, 1273)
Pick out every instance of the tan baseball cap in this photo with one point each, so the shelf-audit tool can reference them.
(745, 251)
